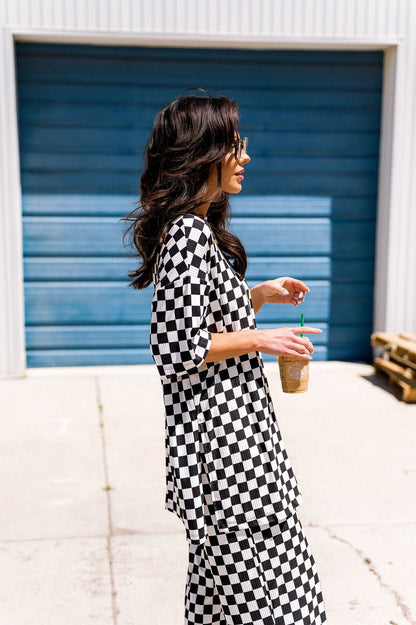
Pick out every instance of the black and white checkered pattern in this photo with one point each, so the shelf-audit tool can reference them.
(264, 575)
(226, 406)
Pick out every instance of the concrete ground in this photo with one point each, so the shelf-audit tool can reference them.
(84, 534)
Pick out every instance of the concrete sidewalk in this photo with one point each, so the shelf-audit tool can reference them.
(84, 534)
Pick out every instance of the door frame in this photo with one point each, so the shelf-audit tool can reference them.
(12, 319)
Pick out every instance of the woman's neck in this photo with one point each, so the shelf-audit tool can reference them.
(202, 210)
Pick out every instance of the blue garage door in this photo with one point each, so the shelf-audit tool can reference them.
(307, 209)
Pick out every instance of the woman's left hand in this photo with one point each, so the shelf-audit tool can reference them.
(283, 291)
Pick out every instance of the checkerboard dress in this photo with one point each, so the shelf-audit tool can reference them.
(228, 475)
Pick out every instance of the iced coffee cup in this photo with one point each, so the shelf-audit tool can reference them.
(294, 374)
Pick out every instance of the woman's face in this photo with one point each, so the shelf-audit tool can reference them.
(230, 166)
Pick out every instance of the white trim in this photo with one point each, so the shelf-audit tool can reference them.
(384, 283)
(12, 322)
(204, 40)
(12, 353)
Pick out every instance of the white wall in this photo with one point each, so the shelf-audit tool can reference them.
(319, 24)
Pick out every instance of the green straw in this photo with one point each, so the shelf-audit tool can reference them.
(301, 320)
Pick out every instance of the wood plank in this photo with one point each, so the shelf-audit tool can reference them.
(408, 336)
(405, 349)
(402, 361)
(398, 375)
(400, 347)
(379, 339)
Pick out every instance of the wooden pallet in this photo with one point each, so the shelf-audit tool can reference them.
(399, 377)
(400, 344)
(410, 336)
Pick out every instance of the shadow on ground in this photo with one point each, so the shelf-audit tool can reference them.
(382, 381)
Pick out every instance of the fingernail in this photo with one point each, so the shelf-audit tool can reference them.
(285, 292)
(320, 330)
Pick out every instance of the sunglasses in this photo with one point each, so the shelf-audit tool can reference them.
(240, 146)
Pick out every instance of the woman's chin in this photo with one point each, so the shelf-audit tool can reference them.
(235, 188)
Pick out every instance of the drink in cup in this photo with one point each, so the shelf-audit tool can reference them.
(294, 374)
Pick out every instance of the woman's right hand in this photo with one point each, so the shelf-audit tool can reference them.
(285, 342)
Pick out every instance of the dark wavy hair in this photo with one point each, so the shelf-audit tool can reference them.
(190, 135)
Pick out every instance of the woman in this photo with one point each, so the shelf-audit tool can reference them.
(228, 476)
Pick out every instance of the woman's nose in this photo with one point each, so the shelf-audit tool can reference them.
(244, 158)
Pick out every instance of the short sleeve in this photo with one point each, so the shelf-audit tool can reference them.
(179, 339)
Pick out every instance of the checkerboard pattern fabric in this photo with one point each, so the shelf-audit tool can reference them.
(224, 406)
(265, 575)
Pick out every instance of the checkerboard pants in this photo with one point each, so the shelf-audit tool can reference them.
(265, 576)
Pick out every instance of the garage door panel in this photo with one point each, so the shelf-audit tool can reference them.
(88, 357)
(56, 303)
(270, 165)
(267, 166)
(308, 206)
(66, 114)
(102, 268)
(110, 182)
(342, 342)
(273, 98)
(79, 337)
(77, 268)
(78, 181)
(307, 143)
(335, 207)
(343, 303)
(317, 308)
(258, 268)
(241, 66)
(266, 236)
(133, 336)
(41, 161)
(77, 204)
(353, 238)
(272, 205)
(101, 114)
(78, 138)
(312, 142)
(342, 57)
(72, 236)
(282, 183)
